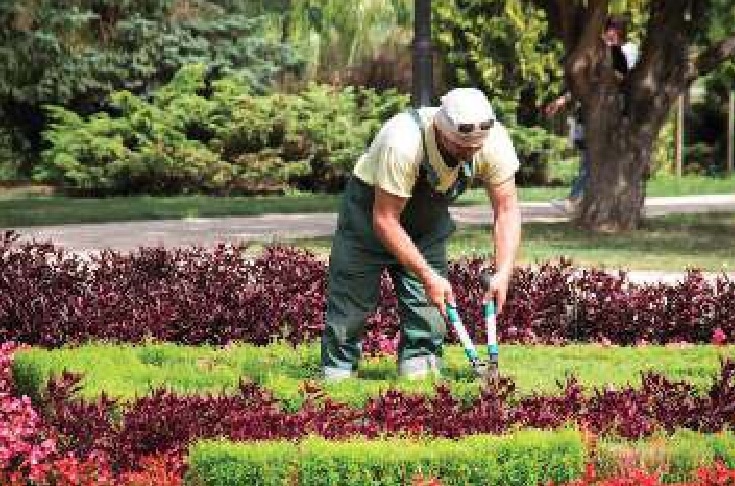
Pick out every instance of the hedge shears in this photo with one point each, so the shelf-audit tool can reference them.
(482, 369)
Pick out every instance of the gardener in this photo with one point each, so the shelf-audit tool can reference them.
(395, 216)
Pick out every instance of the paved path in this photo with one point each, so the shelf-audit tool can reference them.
(283, 227)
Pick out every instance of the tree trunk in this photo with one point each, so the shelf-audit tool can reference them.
(622, 116)
(613, 200)
(618, 149)
(619, 144)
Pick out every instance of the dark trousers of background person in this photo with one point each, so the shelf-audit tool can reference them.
(583, 174)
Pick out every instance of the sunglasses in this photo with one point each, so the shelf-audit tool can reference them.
(467, 128)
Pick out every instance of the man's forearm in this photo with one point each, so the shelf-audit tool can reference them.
(399, 244)
(507, 236)
(387, 211)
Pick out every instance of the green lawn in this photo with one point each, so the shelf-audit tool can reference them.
(674, 242)
(34, 211)
(128, 371)
(660, 186)
(28, 208)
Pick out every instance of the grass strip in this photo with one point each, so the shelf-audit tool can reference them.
(19, 208)
(128, 371)
(673, 242)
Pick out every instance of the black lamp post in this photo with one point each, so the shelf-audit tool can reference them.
(422, 63)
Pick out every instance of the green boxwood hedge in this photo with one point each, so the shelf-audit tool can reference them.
(525, 458)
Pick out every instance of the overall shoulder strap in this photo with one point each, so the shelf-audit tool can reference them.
(425, 165)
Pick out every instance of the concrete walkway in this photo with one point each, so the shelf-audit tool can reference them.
(272, 228)
(269, 228)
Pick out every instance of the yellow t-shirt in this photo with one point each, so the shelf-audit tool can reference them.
(392, 162)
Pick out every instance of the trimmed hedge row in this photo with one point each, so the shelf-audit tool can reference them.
(528, 457)
(525, 458)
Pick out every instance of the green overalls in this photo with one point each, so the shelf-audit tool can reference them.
(358, 258)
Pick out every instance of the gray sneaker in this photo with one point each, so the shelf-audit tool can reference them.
(568, 205)
(420, 367)
(334, 375)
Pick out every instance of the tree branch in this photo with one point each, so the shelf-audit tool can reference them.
(593, 23)
(662, 69)
(709, 59)
(583, 55)
(567, 15)
(562, 15)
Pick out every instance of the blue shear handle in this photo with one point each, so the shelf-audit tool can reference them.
(464, 337)
(488, 309)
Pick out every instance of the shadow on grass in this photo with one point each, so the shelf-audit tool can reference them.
(673, 234)
(672, 242)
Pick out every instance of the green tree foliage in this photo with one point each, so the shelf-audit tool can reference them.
(8, 162)
(60, 54)
(712, 114)
(74, 54)
(214, 136)
(501, 47)
(335, 35)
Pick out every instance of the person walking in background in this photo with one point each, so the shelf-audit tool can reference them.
(624, 56)
(395, 216)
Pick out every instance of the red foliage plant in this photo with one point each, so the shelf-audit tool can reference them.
(714, 475)
(29, 448)
(51, 297)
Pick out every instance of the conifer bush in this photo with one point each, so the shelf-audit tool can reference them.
(214, 136)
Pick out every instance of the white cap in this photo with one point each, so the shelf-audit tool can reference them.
(464, 106)
(467, 105)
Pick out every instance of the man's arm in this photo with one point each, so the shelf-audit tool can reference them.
(507, 236)
(559, 103)
(387, 224)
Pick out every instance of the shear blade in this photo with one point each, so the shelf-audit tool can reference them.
(481, 369)
(486, 373)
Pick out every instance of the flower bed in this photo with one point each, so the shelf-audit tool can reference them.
(50, 297)
(32, 451)
(165, 422)
(91, 442)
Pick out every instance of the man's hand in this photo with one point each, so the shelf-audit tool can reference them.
(439, 292)
(498, 290)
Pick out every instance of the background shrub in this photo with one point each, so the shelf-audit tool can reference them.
(76, 53)
(215, 136)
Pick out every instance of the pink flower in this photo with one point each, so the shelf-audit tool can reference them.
(719, 337)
